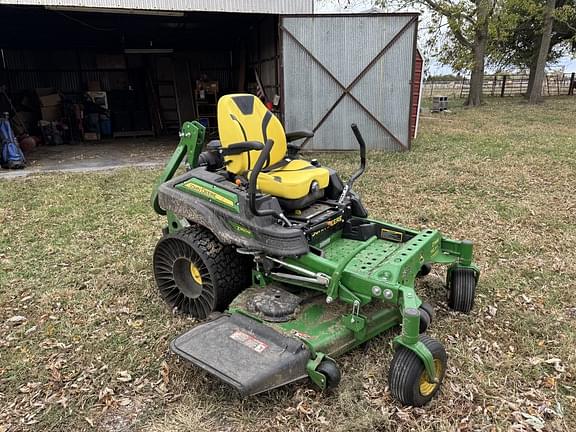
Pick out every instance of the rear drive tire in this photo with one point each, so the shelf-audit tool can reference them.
(196, 274)
(408, 380)
(461, 290)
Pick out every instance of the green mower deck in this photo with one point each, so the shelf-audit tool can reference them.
(250, 342)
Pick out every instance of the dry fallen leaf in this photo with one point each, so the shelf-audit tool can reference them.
(124, 376)
(16, 320)
(304, 408)
(165, 372)
(558, 366)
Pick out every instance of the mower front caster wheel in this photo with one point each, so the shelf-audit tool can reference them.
(330, 370)
(426, 316)
(408, 380)
(461, 289)
(424, 270)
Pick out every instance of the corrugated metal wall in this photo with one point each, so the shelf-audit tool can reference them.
(65, 70)
(342, 69)
(70, 70)
(244, 6)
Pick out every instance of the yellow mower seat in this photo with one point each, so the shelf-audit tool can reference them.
(243, 117)
(294, 180)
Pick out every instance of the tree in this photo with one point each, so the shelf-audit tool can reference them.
(535, 94)
(516, 33)
(465, 45)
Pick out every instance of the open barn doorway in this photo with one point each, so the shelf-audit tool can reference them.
(71, 78)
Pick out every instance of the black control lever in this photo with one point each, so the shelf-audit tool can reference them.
(360, 170)
(253, 182)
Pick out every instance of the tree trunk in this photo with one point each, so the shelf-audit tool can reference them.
(533, 67)
(535, 95)
(479, 50)
(477, 77)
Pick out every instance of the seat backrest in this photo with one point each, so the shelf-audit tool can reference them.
(243, 117)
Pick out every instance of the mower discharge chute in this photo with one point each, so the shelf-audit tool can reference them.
(281, 258)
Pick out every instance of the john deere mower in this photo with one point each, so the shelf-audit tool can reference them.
(278, 257)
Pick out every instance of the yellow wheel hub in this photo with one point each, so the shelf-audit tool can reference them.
(427, 387)
(195, 274)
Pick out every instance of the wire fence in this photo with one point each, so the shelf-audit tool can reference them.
(503, 85)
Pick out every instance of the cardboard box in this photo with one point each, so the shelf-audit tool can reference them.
(211, 86)
(208, 86)
(51, 113)
(91, 136)
(50, 100)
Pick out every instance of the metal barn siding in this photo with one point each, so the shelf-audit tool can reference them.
(276, 7)
(343, 69)
(417, 81)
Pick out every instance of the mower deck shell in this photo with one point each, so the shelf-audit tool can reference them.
(250, 356)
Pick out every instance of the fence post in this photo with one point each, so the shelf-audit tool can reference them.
(572, 82)
(494, 84)
(503, 90)
(432, 89)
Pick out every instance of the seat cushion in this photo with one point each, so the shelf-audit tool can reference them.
(293, 180)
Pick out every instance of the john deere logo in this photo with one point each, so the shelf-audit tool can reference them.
(212, 193)
(241, 229)
(209, 194)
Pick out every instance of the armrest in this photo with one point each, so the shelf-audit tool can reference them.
(242, 147)
(298, 135)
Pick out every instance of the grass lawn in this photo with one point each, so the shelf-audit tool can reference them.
(84, 336)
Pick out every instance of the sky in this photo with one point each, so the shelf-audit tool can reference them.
(568, 64)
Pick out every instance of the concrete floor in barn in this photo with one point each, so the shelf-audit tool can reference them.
(98, 156)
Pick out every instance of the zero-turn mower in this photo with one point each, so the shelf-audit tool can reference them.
(280, 258)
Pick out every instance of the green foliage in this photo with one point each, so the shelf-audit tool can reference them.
(454, 27)
(566, 19)
(516, 31)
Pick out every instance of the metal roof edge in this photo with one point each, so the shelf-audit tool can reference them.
(296, 7)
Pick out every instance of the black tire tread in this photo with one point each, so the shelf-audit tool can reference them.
(226, 267)
(428, 308)
(424, 270)
(425, 320)
(462, 290)
(229, 267)
(330, 370)
(405, 371)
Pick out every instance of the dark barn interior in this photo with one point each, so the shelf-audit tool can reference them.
(71, 77)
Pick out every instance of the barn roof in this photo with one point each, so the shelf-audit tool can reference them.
(242, 6)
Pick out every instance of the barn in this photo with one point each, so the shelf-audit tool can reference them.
(98, 70)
